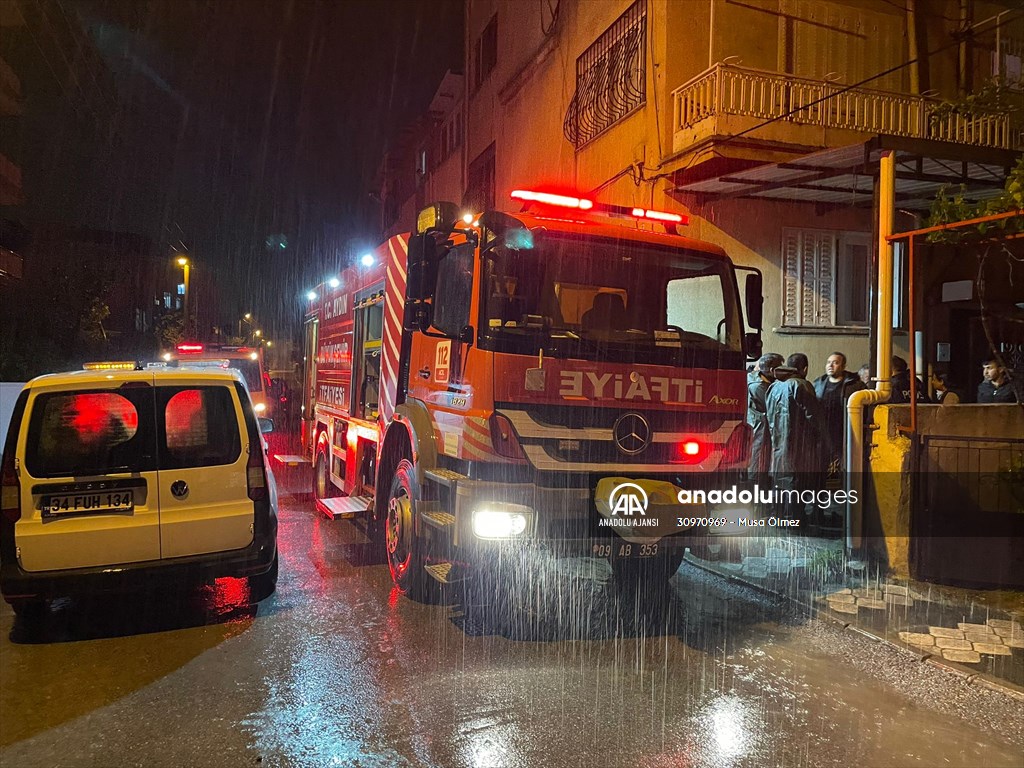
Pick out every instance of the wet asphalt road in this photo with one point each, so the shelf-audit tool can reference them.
(338, 669)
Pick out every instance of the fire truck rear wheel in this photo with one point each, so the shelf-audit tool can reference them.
(323, 488)
(406, 550)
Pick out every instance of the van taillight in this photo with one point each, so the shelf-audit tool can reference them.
(255, 473)
(737, 447)
(10, 494)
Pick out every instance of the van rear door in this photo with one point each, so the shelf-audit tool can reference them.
(204, 501)
(89, 494)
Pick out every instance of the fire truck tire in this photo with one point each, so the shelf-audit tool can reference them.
(407, 550)
(323, 488)
(646, 576)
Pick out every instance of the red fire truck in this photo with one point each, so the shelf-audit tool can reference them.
(553, 376)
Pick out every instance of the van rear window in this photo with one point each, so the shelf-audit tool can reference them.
(200, 427)
(91, 433)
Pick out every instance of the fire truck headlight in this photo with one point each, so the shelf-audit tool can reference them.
(501, 521)
(259, 407)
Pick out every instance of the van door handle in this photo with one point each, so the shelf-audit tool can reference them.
(425, 372)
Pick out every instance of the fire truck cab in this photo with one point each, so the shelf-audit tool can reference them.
(552, 377)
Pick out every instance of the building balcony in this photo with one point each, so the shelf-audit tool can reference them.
(728, 101)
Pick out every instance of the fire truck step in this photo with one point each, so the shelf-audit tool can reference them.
(290, 461)
(437, 518)
(443, 572)
(446, 477)
(344, 506)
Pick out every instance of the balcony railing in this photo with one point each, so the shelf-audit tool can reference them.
(726, 89)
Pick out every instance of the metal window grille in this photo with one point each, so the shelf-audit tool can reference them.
(611, 77)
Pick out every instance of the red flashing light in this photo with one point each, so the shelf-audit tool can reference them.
(690, 451)
(671, 218)
(189, 349)
(548, 198)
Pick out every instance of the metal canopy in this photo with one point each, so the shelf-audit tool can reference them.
(846, 176)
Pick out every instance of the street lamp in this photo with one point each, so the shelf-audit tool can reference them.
(186, 266)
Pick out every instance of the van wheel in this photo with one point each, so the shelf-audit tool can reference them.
(406, 550)
(29, 612)
(263, 585)
(323, 488)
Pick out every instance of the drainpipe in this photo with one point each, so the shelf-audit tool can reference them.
(883, 356)
(912, 51)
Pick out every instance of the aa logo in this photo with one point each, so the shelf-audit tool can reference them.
(628, 498)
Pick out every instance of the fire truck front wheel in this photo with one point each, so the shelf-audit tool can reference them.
(646, 576)
(406, 550)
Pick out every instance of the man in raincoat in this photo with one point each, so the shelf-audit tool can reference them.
(800, 442)
(758, 381)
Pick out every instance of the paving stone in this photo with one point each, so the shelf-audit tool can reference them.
(955, 643)
(841, 597)
(758, 572)
(993, 649)
(918, 595)
(946, 632)
(1003, 624)
(898, 599)
(964, 657)
(918, 638)
(843, 607)
(1016, 642)
(775, 552)
(981, 637)
(870, 602)
(980, 628)
(874, 594)
(779, 565)
(750, 560)
(801, 562)
(894, 589)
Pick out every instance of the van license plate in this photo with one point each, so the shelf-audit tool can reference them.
(87, 503)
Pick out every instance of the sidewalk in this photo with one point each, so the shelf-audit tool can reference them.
(978, 633)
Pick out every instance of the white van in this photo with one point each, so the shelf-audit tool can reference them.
(113, 479)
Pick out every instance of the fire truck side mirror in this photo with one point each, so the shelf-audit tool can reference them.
(754, 300)
(753, 345)
(422, 268)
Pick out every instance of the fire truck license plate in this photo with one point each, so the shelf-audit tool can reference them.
(87, 503)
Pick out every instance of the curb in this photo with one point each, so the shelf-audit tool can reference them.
(979, 679)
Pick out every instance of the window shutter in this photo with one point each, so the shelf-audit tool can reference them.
(790, 277)
(808, 277)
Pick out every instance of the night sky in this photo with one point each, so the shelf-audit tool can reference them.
(214, 125)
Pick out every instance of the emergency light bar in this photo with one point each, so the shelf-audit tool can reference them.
(125, 365)
(186, 349)
(672, 218)
(549, 199)
(564, 201)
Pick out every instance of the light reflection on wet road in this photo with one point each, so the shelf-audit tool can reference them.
(337, 669)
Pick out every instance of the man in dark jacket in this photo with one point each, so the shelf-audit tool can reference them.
(833, 389)
(996, 386)
(758, 381)
(900, 382)
(800, 440)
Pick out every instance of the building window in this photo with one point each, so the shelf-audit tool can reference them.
(451, 136)
(480, 191)
(611, 77)
(485, 53)
(181, 289)
(825, 278)
(167, 300)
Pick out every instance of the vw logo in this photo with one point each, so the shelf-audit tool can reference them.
(631, 433)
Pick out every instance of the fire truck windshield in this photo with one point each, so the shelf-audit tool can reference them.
(601, 299)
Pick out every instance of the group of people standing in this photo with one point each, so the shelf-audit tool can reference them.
(799, 426)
